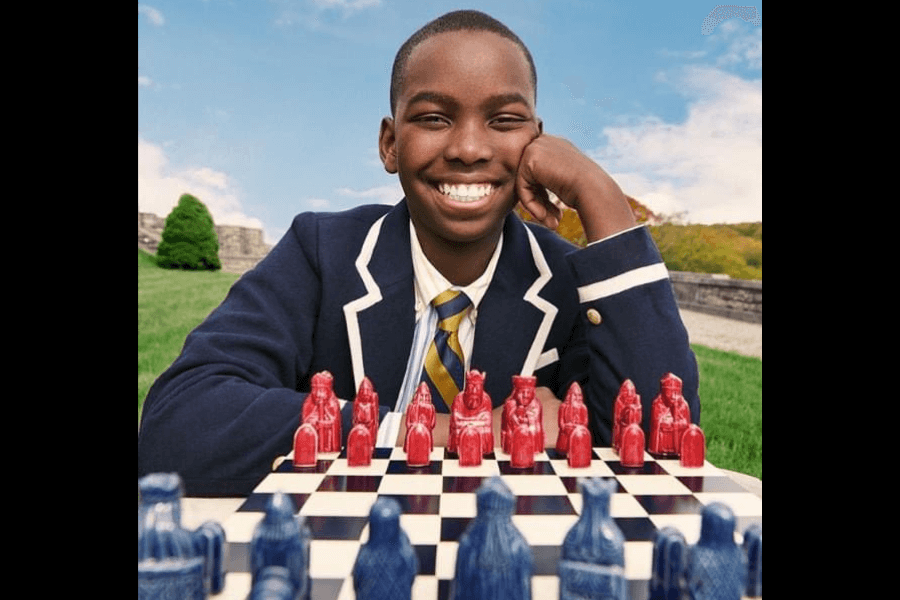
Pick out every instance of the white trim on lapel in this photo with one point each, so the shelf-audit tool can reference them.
(372, 296)
(536, 358)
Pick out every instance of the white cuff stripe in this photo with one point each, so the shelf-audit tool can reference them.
(625, 281)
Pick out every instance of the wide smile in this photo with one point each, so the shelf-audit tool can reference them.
(466, 193)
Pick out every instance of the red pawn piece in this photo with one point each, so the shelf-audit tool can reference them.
(365, 408)
(693, 447)
(420, 411)
(627, 411)
(472, 409)
(521, 447)
(305, 443)
(322, 410)
(631, 452)
(359, 446)
(579, 455)
(418, 444)
(669, 417)
(522, 407)
(469, 446)
(572, 412)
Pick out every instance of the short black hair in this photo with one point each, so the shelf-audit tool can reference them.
(459, 20)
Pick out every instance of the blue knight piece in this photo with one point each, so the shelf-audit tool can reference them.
(386, 564)
(493, 559)
(669, 556)
(172, 561)
(281, 539)
(593, 553)
(716, 568)
(753, 552)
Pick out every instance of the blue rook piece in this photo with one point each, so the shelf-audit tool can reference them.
(669, 556)
(494, 559)
(281, 539)
(386, 564)
(592, 564)
(172, 561)
(753, 552)
(716, 568)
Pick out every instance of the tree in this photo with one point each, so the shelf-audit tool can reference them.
(189, 238)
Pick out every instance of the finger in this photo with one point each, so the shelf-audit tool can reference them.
(534, 199)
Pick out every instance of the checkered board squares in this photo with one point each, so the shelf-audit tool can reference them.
(438, 501)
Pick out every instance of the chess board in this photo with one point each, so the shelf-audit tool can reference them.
(438, 502)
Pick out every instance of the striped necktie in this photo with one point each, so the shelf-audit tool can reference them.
(444, 369)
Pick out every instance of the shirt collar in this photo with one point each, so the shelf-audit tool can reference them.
(429, 282)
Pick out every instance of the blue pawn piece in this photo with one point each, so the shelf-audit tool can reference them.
(593, 554)
(493, 559)
(716, 568)
(273, 583)
(282, 539)
(172, 561)
(753, 552)
(669, 556)
(386, 564)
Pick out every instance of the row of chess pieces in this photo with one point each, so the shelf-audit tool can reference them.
(672, 434)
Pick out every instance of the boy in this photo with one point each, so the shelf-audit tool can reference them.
(351, 292)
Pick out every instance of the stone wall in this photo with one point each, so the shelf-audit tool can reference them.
(240, 248)
(718, 295)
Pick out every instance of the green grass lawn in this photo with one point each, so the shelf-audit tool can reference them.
(171, 303)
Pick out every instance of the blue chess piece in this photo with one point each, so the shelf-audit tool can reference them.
(172, 561)
(282, 539)
(386, 565)
(669, 556)
(493, 559)
(273, 583)
(753, 551)
(593, 553)
(716, 568)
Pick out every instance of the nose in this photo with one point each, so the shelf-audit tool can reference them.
(469, 143)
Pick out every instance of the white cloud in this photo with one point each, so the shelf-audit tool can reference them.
(160, 187)
(383, 194)
(143, 81)
(153, 15)
(709, 166)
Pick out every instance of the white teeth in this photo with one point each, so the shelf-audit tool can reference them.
(466, 193)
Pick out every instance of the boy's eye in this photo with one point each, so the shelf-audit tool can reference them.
(506, 122)
(431, 119)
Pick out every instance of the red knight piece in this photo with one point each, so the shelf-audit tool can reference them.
(572, 412)
(627, 410)
(305, 442)
(579, 455)
(360, 446)
(322, 410)
(693, 447)
(522, 408)
(669, 418)
(631, 452)
(472, 409)
(421, 411)
(365, 408)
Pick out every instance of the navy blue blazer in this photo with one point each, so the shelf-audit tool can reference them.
(337, 294)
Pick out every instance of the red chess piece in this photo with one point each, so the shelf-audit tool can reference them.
(472, 409)
(631, 452)
(522, 407)
(627, 410)
(669, 417)
(693, 447)
(418, 444)
(306, 441)
(322, 410)
(469, 447)
(420, 411)
(359, 446)
(365, 407)
(579, 455)
(521, 447)
(572, 412)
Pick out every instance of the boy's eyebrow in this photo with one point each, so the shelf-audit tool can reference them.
(491, 102)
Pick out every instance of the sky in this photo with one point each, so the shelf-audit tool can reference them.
(264, 109)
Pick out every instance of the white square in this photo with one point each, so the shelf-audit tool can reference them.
(378, 466)
(544, 530)
(459, 505)
(445, 560)
(535, 485)
(290, 483)
(339, 504)
(332, 559)
(421, 529)
(411, 484)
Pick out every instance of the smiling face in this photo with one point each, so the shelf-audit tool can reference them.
(463, 117)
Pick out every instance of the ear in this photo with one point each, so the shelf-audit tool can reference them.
(540, 125)
(387, 147)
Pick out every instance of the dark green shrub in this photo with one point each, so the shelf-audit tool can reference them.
(189, 238)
